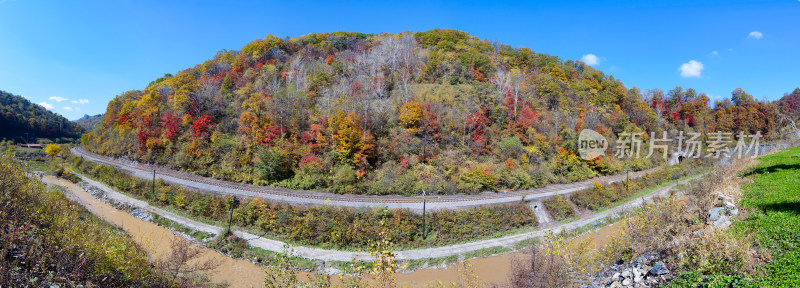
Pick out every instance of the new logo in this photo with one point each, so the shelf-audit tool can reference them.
(591, 144)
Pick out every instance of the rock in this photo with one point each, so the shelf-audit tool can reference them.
(721, 222)
(616, 276)
(331, 271)
(659, 269)
(715, 213)
(637, 279)
(644, 259)
(614, 285)
(142, 214)
(698, 233)
(626, 282)
(733, 212)
(626, 274)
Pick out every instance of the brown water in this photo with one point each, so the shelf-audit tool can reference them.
(156, 240)
(240, 273)
(495, 269)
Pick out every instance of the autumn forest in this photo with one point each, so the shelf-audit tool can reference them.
(397, 113)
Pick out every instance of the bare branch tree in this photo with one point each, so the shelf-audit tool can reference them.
(184, 263)
(791, 123)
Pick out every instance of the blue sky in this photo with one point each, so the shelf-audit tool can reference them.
(77, 55)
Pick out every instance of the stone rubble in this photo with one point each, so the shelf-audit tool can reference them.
(99, 194)
(648, 270)
(720, 217)
(643, 271)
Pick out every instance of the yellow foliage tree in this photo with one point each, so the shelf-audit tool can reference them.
(52, 150)
(148, 105)
(346, 133)
(411, 116)
(353, 144)
(253, 123)
(184, 85)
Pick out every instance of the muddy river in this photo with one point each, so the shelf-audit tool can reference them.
(240, 273)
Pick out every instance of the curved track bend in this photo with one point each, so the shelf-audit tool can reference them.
(310, 197)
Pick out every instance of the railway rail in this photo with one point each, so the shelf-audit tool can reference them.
(311, 197)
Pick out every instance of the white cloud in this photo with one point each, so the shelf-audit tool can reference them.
(67, 108)
(755, 34)
(590, 59)
(715, 53)
(691, 69)
(58, 99)
(80, 101)
(46, 105)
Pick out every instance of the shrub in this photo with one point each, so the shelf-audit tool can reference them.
(510, 148)
(53, 240)
(559, 207)
(274, 165)
(476, 180)
(343, 179)
(601, 196)
(334, 227)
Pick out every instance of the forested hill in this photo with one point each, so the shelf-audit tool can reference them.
(19, 118)
(395, 113)
(88, 122)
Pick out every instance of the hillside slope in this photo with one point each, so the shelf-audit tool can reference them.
(88, 122)
(19, 117)
(49, 241)
(360, 113)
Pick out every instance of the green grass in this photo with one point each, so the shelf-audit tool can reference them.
(38, 165)
(432, 262)
(415, 264)
(486, 252)
(773, 200)
(199, 236)
(30, 150)
(255, 254)
(774, 197)
(527, 243)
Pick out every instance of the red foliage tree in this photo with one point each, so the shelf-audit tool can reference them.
(201, 126)
(171, 124)
(477, 123)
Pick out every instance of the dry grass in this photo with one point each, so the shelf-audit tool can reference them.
(557, 262)
(667, 226)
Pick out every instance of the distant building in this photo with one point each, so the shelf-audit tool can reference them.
(37, 146)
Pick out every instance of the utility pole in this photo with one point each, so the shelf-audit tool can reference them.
(424, 226)
(627, 181)
(234, 203)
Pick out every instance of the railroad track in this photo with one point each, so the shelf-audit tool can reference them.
(415, 203)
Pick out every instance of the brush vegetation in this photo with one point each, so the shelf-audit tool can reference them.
(47, 239)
